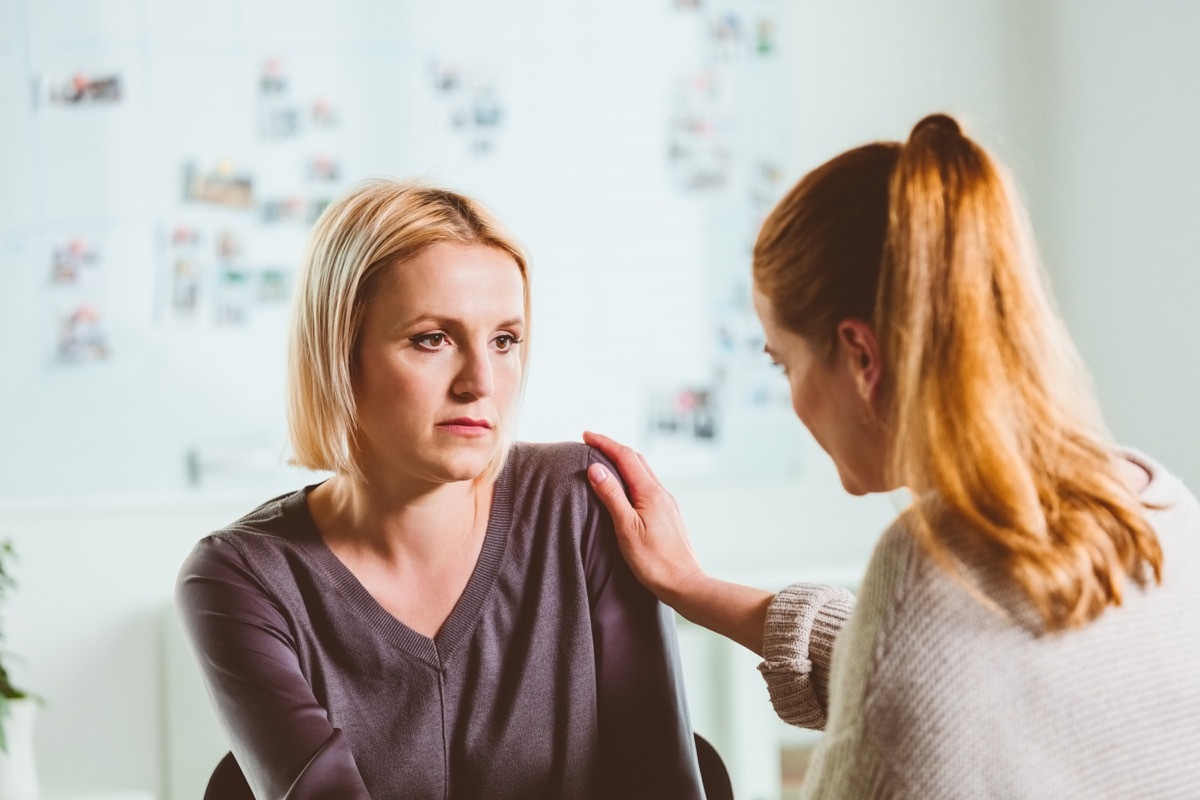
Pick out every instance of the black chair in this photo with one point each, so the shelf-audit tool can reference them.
(228, 783)
(713, 774)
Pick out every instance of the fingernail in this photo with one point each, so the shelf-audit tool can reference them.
(597, 473)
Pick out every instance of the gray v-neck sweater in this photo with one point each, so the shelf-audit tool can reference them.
(555, 676)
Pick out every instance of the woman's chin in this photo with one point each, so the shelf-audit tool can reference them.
(465, 466)
(852, 484)
(854, 489)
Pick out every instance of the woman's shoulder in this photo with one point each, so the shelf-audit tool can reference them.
(908, 578)
(892, 568)
(550, 455)
(280, 518)
(272, 527)
(554, 466)
(1161, 487)
(551, 495)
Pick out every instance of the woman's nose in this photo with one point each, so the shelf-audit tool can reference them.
(474, 377)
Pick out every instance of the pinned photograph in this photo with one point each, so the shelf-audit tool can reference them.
(474, 108)
(228, 245)
(273, 81)
(446, 76)
(81, 89)
(765, 188)
(324, 169)
(222, 185)
(185, 236)
(280, 122)
(285, 209)
(273, 286)
(316, 207)
(698, 146)
(727, 35)
(764, 38)
(185, 286)
(182, 269)
(486, 114)
(233, 297)
(323, 114)
(81, 336)
(688, 413)
(280, 117)
(71, 262)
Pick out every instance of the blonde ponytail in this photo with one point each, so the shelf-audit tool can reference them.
(987, 402)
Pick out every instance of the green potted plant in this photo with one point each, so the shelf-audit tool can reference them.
(18, 774)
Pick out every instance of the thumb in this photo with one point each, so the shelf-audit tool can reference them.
(611, 494)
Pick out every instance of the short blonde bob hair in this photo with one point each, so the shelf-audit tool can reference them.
(376, 224)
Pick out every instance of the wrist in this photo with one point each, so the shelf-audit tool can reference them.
(685, 591)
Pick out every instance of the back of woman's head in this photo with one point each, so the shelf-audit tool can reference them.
(982, 392)
(374, 225)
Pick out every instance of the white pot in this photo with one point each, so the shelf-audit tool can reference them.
(18, 773)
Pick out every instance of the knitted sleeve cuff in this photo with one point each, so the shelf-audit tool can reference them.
(803, 621)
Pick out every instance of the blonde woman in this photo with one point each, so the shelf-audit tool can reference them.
(446, 616)
(1026, 628)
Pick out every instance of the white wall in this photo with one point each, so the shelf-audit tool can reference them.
(1120, 224)
(865, 70)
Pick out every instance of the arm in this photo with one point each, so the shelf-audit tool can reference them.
(794, 631)
(654, 541)
(802, 623)
(647, 748)
(280, 734)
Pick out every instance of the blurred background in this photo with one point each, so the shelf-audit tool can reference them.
(163, 161)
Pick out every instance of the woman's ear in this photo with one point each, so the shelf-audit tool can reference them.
(857, 343)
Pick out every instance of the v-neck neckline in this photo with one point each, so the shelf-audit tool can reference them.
(434, 651)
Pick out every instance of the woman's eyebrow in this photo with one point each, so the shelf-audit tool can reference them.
(450, 321)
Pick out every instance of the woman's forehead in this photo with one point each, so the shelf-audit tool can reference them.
(456, 281)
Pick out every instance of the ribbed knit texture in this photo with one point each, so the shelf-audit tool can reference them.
(802, 623)
(931, 694)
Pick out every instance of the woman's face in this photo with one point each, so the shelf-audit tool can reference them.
(829, 398)
(438, 366)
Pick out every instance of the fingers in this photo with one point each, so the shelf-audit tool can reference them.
(629, 463)
(610, 493)
(650, 472)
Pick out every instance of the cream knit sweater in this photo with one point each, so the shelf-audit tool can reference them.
(931, 694)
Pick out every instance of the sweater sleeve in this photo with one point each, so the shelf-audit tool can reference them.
(803, 621)
(855, 757)
(280, 735)
(647, 749)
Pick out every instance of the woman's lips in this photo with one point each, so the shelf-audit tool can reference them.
(465, 426)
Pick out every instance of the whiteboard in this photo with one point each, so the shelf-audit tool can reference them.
(167, 160)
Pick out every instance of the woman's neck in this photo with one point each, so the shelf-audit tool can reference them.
(394, 523)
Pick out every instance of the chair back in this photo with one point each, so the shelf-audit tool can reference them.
(713, 774)
(228, 782)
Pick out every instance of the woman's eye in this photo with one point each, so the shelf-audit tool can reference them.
(429, 341)
(505, 342)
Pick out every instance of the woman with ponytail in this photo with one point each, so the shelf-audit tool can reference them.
(1025, 627)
